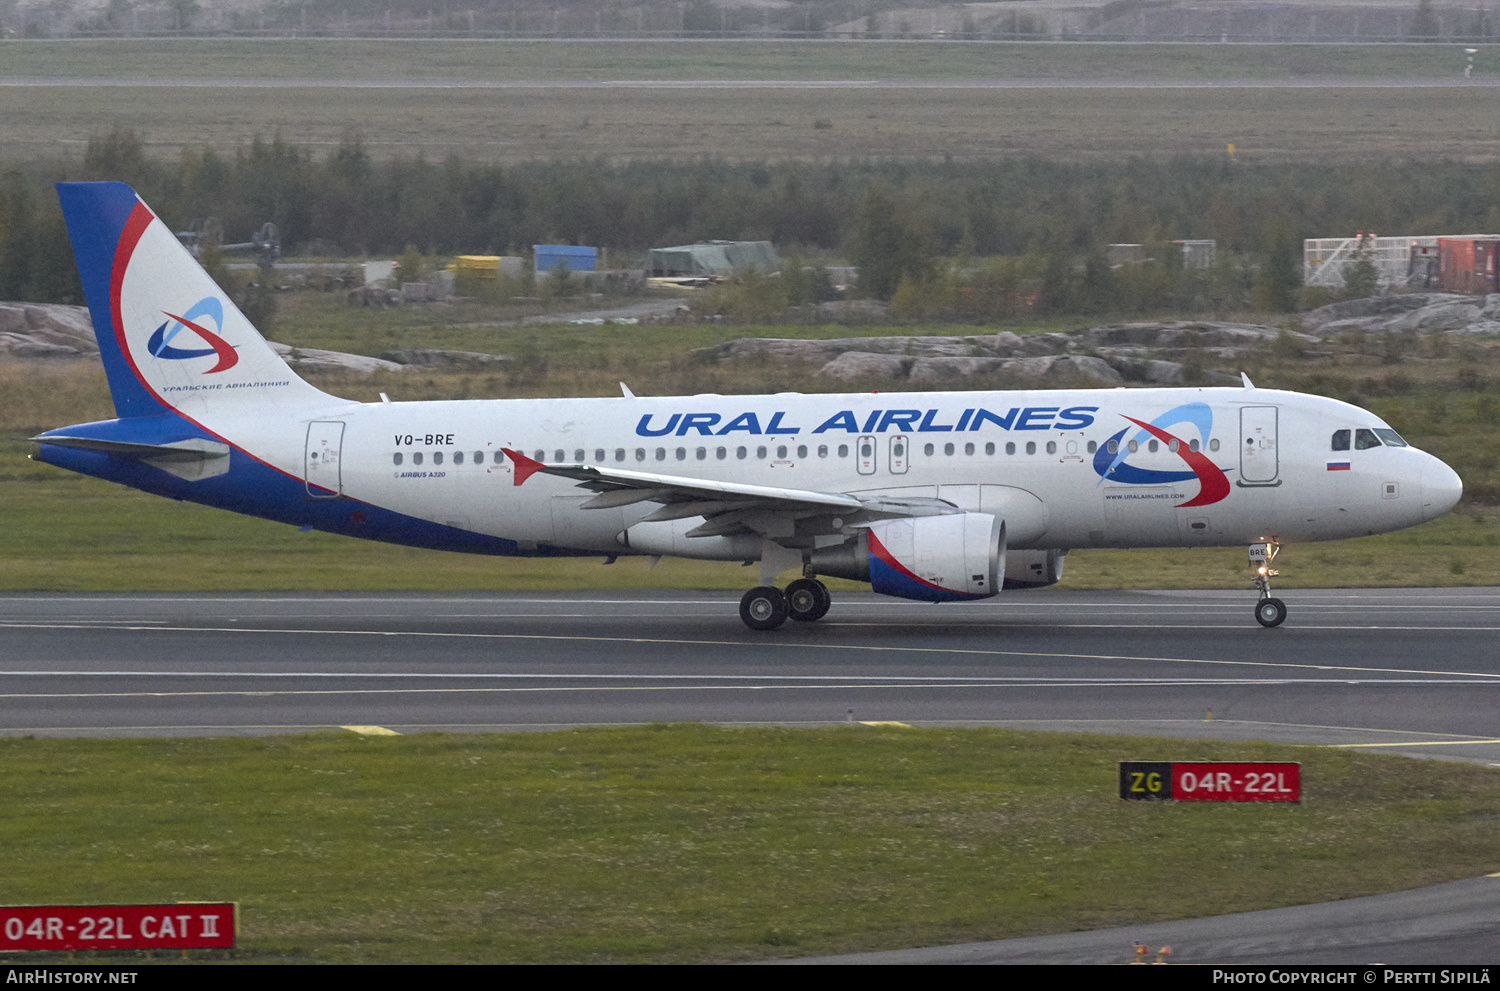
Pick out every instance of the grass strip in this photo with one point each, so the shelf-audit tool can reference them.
(690, 843)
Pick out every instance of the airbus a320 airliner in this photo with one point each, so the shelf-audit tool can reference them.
(939, 496)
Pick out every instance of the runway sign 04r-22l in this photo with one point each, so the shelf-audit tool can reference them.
(1174, 781)
(182, 925)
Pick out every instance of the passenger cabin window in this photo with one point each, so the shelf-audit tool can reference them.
(1365, 439)
(396, 459)
(416, 457)
(598, 454)
(458, 457)
(437, 457)
(1010, 448)
(928, 449)
(843, 450)
(479, 457)
(540, 455)
(619, 454)
(578, 456)
(560, 456)
(1340, 440)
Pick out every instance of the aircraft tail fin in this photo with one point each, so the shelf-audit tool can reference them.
(170, 338)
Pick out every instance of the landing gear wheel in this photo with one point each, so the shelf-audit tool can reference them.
(1270, 612)
(807, 600)
(763, 608)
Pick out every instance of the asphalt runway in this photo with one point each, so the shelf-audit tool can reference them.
(1396, 670)
(239, 82)
(1412, 671)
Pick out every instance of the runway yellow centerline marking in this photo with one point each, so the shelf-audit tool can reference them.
(771, 645)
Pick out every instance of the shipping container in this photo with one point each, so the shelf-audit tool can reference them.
(1468, 264)
(568, 256)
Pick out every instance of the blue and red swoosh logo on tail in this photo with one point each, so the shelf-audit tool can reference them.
(160, 344)
(1213, 484)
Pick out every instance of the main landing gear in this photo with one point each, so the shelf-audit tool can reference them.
(1269, 611)
(765, 608)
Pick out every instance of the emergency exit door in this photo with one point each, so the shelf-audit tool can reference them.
(864, 455)
(321, 468)
(1259, 462)
(900, 454)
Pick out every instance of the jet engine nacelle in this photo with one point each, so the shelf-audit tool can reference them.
(1034, 569)
(932, 558)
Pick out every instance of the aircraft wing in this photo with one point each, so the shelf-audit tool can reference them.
(727, 507)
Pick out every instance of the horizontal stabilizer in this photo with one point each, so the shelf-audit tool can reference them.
(194, 449)
(192, 459)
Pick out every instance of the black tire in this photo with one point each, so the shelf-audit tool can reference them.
(1270, 612)
(807, 600)
(763, 608)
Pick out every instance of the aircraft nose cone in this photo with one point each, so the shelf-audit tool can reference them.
(1441, 489)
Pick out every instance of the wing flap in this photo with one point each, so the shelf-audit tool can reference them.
(676, 488)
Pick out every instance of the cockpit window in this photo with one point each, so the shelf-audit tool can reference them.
(1365, 439)
(1391, 438)
(1341, 440)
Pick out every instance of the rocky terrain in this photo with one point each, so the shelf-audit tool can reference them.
(54, 332)
(1423, 313)
(45, 332)
(1150, 353)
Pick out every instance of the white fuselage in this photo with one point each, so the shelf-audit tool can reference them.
(1038, 459)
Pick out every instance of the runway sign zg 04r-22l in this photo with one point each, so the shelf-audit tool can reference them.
(1174, 781)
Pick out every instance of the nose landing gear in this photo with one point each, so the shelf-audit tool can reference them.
(1269, 611)
(765, 608)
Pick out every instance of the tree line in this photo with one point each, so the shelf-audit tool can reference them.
(893, 219)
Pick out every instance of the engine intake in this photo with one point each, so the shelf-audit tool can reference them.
(1034, 569)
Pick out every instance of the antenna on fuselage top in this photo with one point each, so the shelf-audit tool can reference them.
(1246, 379)
(626, 389)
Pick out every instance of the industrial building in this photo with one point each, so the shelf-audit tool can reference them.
(1463, 263)
(712, 259)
